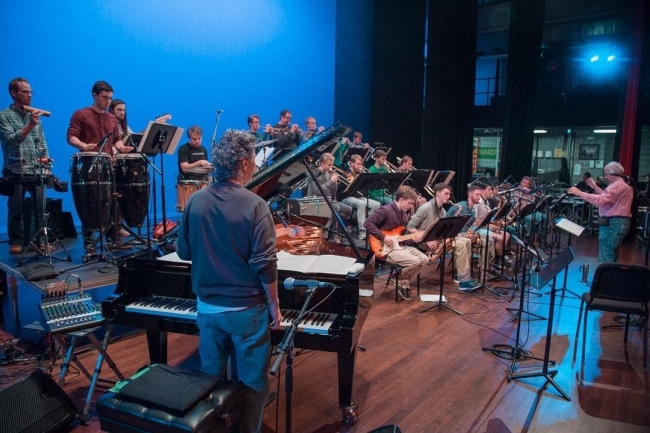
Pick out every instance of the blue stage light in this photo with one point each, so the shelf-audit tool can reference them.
(595, 58)
(611, 57)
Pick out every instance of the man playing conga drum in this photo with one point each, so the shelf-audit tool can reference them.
(87, 128)
(193, 166)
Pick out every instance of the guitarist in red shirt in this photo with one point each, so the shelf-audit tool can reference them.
(385, 226)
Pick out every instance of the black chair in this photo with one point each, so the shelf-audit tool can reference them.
(618, 288)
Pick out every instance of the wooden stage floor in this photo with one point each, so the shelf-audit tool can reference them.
(427, 372)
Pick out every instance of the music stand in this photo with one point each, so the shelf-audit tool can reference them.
(554, 267)
(159, 138)
(572, 229)
(368, 181)
(484, 223)
(443, 176)
(361, 151)
(419, 179)
(445, 228)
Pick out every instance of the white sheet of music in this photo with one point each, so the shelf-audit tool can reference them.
(325, 264)
(569, 226)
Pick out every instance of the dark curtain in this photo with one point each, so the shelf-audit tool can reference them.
(353, 67)
(397, 75)
(450, 81)
(526, 25)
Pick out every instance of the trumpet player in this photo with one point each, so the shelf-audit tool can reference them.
(364, 206)
(429, 213)
(288, 135)
(356, 141)
(379, 166)
(254, 128)
(310, 129)
(328, 180)
(23, 141)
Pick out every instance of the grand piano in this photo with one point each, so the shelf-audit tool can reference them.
(157, 294)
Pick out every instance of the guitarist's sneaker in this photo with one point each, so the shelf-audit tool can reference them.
(468, 286)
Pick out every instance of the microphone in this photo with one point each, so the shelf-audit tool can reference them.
(292, 284)
(219, 111)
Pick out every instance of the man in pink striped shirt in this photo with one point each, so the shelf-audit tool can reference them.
(614, 209)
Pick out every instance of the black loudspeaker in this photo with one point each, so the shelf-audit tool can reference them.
(36, 404)
(56, 222)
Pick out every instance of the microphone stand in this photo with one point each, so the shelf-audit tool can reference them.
(216, 126)
(154, 202)
(286, 346)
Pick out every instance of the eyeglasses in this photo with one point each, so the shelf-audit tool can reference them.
(26, 92)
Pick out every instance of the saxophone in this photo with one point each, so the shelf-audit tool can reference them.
(471, 232)
(436, 252)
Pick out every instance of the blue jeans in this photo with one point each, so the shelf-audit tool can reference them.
(246, 333)
(610, 238)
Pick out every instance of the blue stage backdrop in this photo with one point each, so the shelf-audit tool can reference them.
(187, 58)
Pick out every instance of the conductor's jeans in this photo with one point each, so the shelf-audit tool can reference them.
(610, 238)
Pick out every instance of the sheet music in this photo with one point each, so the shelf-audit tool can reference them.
(569, 226)
(325, 264)
(263, 156)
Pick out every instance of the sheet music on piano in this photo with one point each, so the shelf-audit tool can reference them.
(323, 264)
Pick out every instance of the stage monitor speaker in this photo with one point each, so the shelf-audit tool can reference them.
(35, 404)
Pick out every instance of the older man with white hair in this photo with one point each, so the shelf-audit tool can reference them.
(614, 209)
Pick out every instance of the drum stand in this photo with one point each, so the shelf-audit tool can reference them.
(117, 223)
(44, 231)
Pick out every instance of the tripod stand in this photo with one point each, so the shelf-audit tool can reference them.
(562, 261)
(524, 256)
(44, 248)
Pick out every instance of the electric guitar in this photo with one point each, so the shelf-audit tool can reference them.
(381, 249)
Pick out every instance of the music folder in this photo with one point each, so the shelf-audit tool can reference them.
(160, 138)
(364, 182)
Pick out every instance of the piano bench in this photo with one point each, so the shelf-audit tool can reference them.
(216, 412)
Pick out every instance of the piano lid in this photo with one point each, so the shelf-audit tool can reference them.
(287, 170)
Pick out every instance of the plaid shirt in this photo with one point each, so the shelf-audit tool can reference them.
(14, 148)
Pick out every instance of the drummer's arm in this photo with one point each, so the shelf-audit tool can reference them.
(185, 166)
(119, 145)
(84, 147)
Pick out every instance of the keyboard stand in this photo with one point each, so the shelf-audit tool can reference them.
(102, 354)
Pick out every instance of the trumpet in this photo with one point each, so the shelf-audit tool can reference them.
(399, 162)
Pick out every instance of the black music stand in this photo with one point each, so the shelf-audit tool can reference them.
(361, 151)
(502, 213)
(419, 179)
(445, 228)
(572, 229)
(443, 176)
(159, 139)
(367, 181)
(540, 279)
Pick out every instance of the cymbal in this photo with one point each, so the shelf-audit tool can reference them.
(264, 143)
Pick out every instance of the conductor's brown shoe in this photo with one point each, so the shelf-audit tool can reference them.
(15, 249)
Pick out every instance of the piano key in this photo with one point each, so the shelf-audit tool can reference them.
(312, 323)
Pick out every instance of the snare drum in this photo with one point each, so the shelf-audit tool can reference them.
(184, 189)
(91, 189)
(132, 184)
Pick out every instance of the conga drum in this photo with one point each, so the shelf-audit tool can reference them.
(185, 188)
(92, 188)
(132, 185)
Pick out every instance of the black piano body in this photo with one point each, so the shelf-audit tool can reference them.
(142, 278)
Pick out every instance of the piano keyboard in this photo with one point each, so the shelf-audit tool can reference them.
(179, 308)
(314, 322)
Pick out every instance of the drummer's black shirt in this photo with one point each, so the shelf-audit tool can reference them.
(190, 154)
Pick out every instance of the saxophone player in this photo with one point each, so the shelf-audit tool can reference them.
(472, 206)
(500, 238)
(429, 213)
(364, 206)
